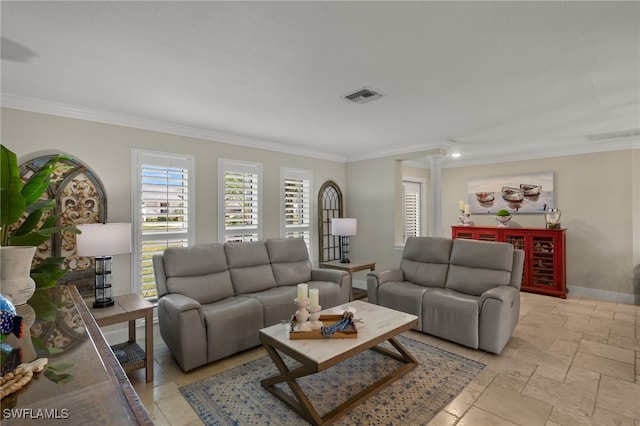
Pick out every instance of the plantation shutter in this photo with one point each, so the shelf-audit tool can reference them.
(411, 209)
(296, 204)
(241, 204)
(164, 211)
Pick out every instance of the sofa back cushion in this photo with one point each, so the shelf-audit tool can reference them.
(199, 272)
(425, 260)
(249, 266)
(477, 266)
(289, 260)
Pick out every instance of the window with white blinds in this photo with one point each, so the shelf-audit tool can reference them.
(411, 209)
(295, 204)
(240, 202)
(163, 210)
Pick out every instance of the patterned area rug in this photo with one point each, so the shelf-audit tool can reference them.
(235, 397)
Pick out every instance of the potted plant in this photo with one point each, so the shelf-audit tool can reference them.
(28, 221)
(503, 216)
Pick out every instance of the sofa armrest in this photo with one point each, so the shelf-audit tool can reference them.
(499, 315)
(330, 275)
(182, 327)
(376, 278)
(342, 278)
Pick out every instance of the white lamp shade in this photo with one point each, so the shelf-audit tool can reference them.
(344, 226)
(103, 239)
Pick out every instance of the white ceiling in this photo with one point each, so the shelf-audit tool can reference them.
(496, 80)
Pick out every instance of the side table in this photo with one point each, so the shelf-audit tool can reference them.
(130, 307)
(350, 267)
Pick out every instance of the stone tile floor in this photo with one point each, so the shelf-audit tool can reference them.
(570, 362)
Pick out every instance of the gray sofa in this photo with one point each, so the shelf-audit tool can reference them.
(213, 299)
(465, 291)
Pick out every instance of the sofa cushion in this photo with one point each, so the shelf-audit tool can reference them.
(249, 266)
(289, 260)
(199, 272)
(477, 266)
(425, 260)
(277, 303)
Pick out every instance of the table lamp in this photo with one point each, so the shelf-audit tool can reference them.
(102, 241)
(344, 227)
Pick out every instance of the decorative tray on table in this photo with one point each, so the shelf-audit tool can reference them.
(350, 332)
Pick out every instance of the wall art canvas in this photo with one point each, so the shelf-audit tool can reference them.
(524, 193)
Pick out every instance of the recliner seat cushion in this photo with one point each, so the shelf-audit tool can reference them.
(249, 266)
(199, 272)
(289, 260)
(477, 266)
(425, 261)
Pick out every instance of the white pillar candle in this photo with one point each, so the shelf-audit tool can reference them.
(303, 293)
(314, 298)
(466, 209)
(460, 205)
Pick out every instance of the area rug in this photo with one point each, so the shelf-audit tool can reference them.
(235, 397)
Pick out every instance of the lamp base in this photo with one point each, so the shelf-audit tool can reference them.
(343, 260)
(103, 303)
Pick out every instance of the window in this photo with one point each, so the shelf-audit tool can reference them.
(411, 208)
(163, 211)
(239, 203)
(295, 204)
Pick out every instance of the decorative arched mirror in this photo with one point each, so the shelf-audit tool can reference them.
(329, 206)
(80, 198)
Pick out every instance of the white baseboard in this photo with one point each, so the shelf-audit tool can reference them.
(611, 296)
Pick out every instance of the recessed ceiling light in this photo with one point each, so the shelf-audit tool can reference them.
(456, 154)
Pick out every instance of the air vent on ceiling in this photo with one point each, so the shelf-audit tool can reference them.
(620, 134)
(363, 96)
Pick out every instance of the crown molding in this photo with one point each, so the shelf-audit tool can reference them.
(489, 157)
(107, 117)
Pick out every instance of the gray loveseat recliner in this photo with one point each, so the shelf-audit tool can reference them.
(466, 291)
(213, 299)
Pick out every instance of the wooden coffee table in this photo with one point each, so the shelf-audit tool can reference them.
(315, 355)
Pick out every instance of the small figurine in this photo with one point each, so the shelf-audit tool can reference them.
(10, 322)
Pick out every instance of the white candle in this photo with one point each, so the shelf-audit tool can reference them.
(303, 293)
(314, 297)
(460, 205)
(466, 209)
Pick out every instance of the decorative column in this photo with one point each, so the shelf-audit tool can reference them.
(435, 222)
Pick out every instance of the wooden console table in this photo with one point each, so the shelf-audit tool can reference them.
(130, 307)
(83, 382)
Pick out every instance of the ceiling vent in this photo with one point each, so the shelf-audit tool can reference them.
(620, 134)
(363, 96)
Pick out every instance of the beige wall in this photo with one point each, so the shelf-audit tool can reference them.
(106, 149)
(598, 195)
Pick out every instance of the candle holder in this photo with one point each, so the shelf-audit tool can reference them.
(467, 219)
(302, 315)
(314, 318)
(461, 217)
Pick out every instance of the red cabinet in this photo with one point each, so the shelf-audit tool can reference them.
(544, 263)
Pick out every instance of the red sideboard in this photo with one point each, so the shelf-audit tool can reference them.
(544, 263)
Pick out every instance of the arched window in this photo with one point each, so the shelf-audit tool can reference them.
(329, 206)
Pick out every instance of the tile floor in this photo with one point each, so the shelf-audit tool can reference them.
(570, 362)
